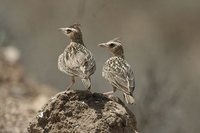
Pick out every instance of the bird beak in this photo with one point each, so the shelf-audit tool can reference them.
(102, 44)
(61, 29)
(66, 30)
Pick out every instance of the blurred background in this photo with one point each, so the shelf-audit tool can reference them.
(161, 41)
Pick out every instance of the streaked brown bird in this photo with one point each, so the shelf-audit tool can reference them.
(117, 70)
(76, 60)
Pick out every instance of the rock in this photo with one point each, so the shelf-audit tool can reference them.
(83, 112)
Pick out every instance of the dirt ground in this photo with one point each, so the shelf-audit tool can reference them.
(83, 112)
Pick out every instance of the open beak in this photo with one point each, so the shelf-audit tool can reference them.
(102, 44)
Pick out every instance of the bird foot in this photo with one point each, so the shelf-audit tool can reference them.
(89, 88)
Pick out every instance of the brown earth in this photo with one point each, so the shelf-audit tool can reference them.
(83, 112)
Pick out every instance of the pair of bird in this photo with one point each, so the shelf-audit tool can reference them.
(78, 61)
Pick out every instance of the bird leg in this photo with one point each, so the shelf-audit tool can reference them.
(110, 92)
(90, 84)
(71, 84)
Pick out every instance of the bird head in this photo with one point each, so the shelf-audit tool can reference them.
(114, 46)
(73, 32)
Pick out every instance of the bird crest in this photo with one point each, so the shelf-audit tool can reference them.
(76, 26)
(117, 39)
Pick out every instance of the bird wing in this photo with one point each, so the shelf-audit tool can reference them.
(81, 63)
(126, 79)
(63, 65)
(120, 77)
(86, 61)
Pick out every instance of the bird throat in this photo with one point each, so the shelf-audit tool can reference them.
(119, 52)
(77, 39)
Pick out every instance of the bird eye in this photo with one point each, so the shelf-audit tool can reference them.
(69, 31)
(111, 45)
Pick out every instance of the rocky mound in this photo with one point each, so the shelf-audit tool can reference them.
(83, 112)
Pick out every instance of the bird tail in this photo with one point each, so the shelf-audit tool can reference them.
(136, 131)
(87, 83)
(129, 98)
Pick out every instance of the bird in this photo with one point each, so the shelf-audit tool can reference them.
(117, 71)
(76, 60)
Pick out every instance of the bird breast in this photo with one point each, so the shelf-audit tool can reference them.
(116, 64)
